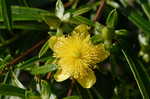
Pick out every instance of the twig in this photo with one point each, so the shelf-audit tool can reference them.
(70, 89)
(16, 60)
(19, 58)
(48, 75)
(100, 10)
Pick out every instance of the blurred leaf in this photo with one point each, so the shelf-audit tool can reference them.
(112, 19)
(52, 21)
(6, 13)
(114, 4)
(144, 75)
(20, 13)
(4, 61)
(137, 19)
(137, 76)
(145, 6)
(81, 20)
(99, 96)
(31, 62)
(81, 11)
(11, 90)
(44, 69)
(72, 97)
(17, 82)
(96, 39)
(89, 94)
(45, 90)
(59, 9)
(23, 2)
(122, 32)
(27, 26)
(32, 95)
(43, 49)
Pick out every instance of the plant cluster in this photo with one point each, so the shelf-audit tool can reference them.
(74, 49)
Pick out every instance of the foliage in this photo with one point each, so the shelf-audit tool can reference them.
(28, 65)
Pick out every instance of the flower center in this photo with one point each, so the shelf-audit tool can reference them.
(77, 54)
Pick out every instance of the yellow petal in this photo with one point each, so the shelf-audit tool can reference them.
(87, 81)
(52, 41)
(103, 53)
(61, 75)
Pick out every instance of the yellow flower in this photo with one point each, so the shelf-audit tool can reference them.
(77, 56)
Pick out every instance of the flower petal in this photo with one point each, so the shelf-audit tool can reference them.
(52, 41)
(88, 81)
(61, 75)
(103, 54)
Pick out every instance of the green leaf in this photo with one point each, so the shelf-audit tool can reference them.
(122, 32)
(72, 97)
(144, 75)
(20, 13)
(45, 90)
(11, 90)
(30, 62)
(96, 39)
(23, 2)
(137, 19)
(136, 73)
(44, 69)
(145, 6)
(31, 14)
(27, 26)
(52, 21)
(81, 11)
(81, 20)
(59, 9)
(112, 19)
(43, 49)
(99, 96)
(6, 13)
(17, 82)
(32, 95)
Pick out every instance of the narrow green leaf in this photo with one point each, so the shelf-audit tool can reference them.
(23, 2)
(122, 32)
(145, 6)
(144, 75)
(52, 21)
(11, 90)
(32, 95)
(112, 19)
(89, 94)
(27, 26)
(6, 13)
(99, 96)
(44, 69)
(81, 20)
(137, 19)
(72, 97)
(137, 76)
(20, 13)
(146, 9)
(30, 62)
(17, 82)
(45, 90)
(81, 11)
(96, 39)
(43, 49)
